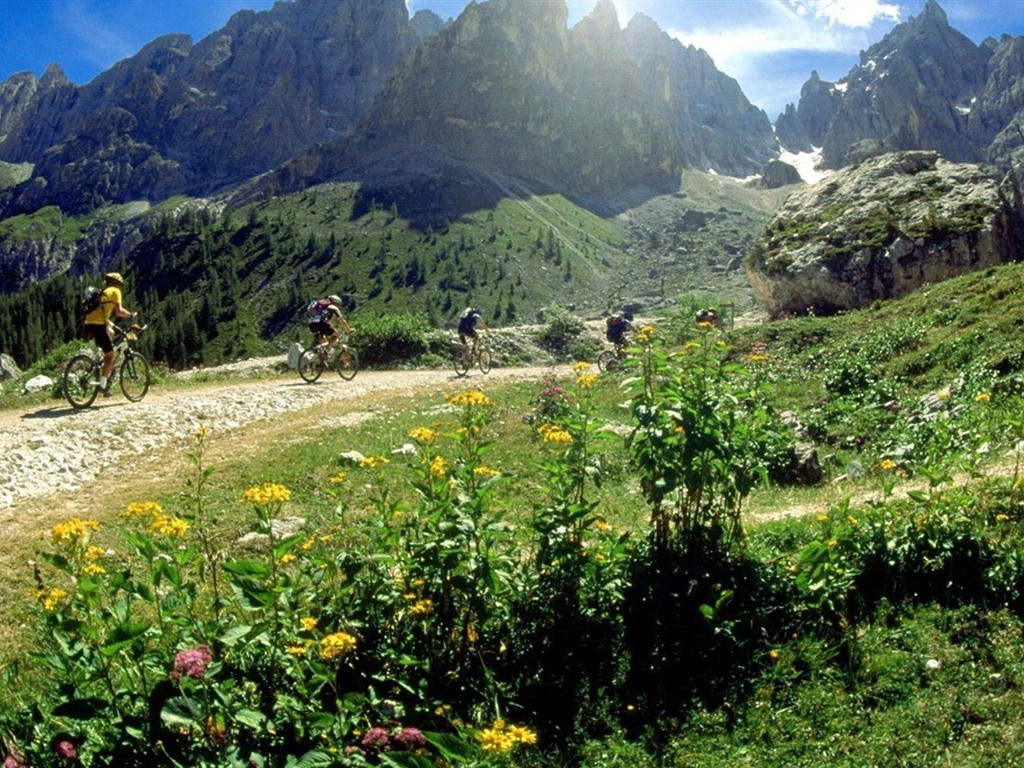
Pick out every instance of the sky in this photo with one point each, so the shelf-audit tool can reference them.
(769, 46)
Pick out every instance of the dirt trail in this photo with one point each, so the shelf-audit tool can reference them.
(56, 462)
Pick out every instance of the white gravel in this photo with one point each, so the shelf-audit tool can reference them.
(57, 449)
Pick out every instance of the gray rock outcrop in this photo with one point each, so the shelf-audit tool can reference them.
(880, 230)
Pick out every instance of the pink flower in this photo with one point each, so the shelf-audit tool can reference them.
(376, 738)
(191, 663)
(14, 759)
(66, 749)
(411, 738)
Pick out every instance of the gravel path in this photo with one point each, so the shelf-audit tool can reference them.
(58, 450)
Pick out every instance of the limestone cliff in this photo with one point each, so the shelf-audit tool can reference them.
(882, 229)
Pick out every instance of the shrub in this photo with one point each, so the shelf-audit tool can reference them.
(562, 333)
(392, 338)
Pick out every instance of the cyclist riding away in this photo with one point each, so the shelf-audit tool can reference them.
(468, 323)
(322, 313)
(97, 325)
(616, 328)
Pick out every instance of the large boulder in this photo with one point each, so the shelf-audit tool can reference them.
(8, 368)
(880, 230)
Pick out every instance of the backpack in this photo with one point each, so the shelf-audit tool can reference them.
(317, 311)
(466, 321)
(615, 326)
(91, 299)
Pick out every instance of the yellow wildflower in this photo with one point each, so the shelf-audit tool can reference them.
(438, 467)
(522, 735)
(1002, 518)
(586, 381)
(308, 623)
(756, 358)
(201, 432)
(644, 334)
(982, 397)
(373, 462)
(500, 738)
(486, 472)
(580, 367)
(307, 545)
(469, 398)
(296, 650)
(336, 644)
(552, 433)
(822, 518)
(142, 509)
(94, 553)
(286, 558)
(774, 655)
(888, 464)
(268, 493)
(74, 531)
(93, 569)
(338, 478)
(168, 525)
(423, 435)
(422, 607)
(851, 520)
(53, 598)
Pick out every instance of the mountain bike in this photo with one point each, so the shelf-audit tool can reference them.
(463, 358)
(81, 375)
(316, 359)
(611, 359)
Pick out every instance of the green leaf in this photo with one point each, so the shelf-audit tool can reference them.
(405, 760)
(123, 636)
(235, 635)
(252, 596)
(181, 710)
(451, 748)
(247, 568)
(251, 718)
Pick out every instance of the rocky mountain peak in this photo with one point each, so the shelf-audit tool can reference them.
(911, 90)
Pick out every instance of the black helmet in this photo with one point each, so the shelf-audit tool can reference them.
(628, 314)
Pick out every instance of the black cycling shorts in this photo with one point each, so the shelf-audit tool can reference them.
(100, 335)
(321, 330)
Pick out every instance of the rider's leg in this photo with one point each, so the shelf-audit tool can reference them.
(108, 365)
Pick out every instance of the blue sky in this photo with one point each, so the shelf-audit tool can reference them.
(769, 46)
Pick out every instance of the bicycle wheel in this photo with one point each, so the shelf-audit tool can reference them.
(347, 363)
(134, 376)
(484, 361)
(607, 361)
(460, 361)
(310, 366)
(79, 381)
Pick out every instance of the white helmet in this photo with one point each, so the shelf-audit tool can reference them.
(335, 299)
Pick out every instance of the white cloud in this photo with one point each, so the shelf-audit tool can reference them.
(100, 42)
(847, 13)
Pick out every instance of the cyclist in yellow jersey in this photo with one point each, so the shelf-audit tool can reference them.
(96, 325)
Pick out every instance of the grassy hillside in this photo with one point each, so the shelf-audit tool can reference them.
(218, 284)
(531, 587)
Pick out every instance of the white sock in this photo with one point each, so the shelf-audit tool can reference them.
(103, 381)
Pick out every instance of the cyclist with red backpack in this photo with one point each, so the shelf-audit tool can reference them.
(322, 313)
(616, 328)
